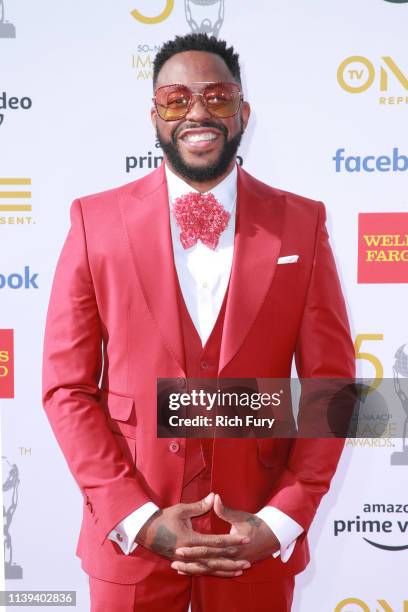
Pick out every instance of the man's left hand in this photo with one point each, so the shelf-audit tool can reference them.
(262, 544)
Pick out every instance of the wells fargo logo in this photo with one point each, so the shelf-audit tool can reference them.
(356, 74)
(358, 605)
(383, 248)
(6, 363)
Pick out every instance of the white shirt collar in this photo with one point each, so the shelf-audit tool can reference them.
(225, 192)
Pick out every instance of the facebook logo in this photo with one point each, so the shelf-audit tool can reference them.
(397, 162)
(19, 281)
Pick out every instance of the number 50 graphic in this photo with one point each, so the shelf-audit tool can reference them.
(152, 20)
(378, 368)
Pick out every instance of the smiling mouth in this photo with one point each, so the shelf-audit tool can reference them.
(203, 136)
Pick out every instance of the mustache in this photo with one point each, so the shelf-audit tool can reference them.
(204, 124)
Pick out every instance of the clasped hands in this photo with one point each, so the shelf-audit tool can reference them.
(169, 533)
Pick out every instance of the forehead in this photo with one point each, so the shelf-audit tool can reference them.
(192, 66)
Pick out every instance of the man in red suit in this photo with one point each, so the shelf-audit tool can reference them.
(143, 291)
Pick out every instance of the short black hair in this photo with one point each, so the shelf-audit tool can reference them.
(197, 42)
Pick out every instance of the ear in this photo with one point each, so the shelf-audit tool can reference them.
(245, 113)
(153, 116)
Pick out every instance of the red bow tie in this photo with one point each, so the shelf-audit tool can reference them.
(200, 216)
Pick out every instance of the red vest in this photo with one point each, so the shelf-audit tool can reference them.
(200, 362)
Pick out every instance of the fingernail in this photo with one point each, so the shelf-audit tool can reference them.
(246, 565)
(245, 540)
(238, 573)
(180, 551)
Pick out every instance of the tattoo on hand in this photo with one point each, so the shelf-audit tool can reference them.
(164, 541)
(253, 520)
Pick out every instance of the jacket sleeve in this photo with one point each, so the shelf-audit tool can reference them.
(324, 349)
(72, 364)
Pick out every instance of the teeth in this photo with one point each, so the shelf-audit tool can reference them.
(198, 137)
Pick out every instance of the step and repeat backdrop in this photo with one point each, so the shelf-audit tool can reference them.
(328, 85)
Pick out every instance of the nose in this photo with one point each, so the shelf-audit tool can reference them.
(198, 109)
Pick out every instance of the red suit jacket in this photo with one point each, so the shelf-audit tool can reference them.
(113, 327)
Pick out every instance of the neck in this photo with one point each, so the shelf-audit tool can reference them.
(202, 187)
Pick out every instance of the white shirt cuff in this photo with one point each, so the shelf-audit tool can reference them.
(125, 532)
(285, 528)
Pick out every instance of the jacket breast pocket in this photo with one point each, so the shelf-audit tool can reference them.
(120, 413)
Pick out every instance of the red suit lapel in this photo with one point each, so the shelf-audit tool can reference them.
(258, 231)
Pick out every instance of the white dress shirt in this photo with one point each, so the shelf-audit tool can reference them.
(203, 276)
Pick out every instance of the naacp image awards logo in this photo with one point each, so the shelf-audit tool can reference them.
(7, 29)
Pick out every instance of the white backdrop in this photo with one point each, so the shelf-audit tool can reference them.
(83, 73)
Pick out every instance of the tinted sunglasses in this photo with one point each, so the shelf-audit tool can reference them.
(221, 99)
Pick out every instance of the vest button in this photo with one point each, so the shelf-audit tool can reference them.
(174, 446)
(204, 365)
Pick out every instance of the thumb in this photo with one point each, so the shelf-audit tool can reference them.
(221, 510)
(199, 507)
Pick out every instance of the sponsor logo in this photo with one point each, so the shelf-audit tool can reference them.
(7, 29)
(26, 280)
(400, 371)
(205, 16)
(383, 248)
(154, 19)
(11, 482)
(396, 162)
(361, 606)
(381, 525)
(6, 363)
(357, 74)
(15, 197)
(150, 160)
(13, 103)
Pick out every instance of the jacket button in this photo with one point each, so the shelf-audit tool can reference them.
(174, 446)
(204, 365)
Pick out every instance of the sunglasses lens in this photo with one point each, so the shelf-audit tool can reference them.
(222, 100)
(172, 102)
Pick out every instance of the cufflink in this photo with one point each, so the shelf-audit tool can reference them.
(119, 537)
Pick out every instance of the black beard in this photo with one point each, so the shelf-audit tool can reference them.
(207, 173)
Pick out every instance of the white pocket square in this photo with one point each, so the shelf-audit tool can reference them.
(288, 259)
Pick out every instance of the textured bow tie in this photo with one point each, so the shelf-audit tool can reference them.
(200, 216)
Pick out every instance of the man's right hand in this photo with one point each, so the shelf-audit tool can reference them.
(171, 528)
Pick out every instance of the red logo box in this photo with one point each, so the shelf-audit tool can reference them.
(382, 248)
(6, 363)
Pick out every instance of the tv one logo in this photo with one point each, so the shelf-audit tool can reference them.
(357, 74)
(358, 605)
